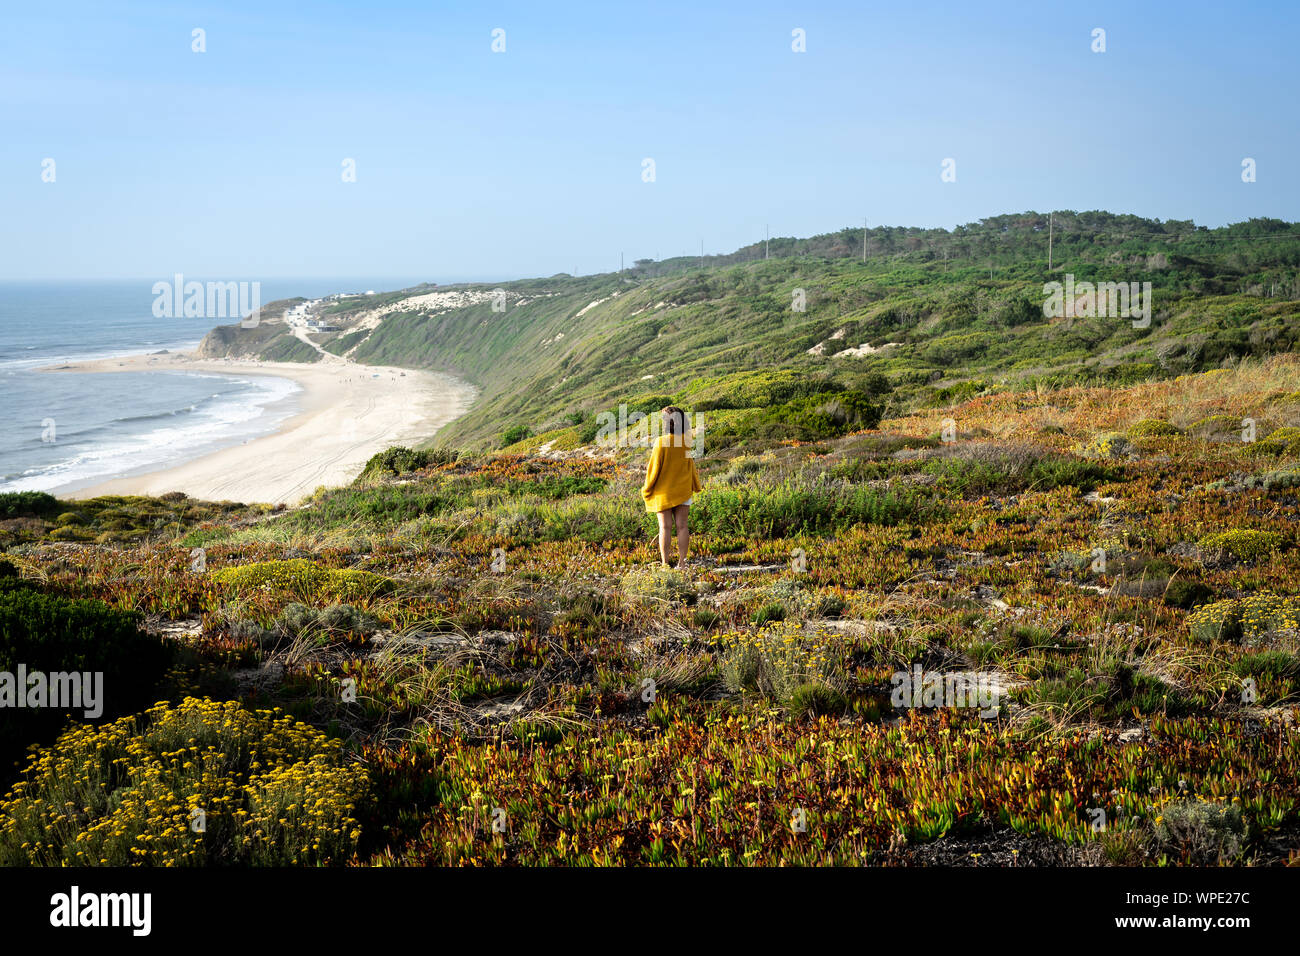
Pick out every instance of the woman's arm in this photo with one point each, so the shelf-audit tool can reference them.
(652, 471)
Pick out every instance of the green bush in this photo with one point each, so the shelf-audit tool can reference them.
(515, 433)
(1107, 446)
(828, 605)
(381, 506)
(304, 579)
(821, 416)
(28, 504)
(756, 389)
(1153, 428)
(45, 633)
(1217, 428)
(1186, 593)
(783, 664)
(400, 460)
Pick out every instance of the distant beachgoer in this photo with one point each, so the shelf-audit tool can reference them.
(670, 481)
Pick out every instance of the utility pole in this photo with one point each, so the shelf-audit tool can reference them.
(767, 245)
(1049, 241)
(620, 262)
(701, 253)
(864, 242)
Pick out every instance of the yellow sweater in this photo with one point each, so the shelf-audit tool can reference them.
(670, 478)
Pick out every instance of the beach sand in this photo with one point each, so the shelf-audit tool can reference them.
(346, 416)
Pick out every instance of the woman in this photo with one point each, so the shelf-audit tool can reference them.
(670, 480)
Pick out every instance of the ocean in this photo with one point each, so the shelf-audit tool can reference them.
(69, 431)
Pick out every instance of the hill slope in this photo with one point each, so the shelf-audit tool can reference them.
(929, 309)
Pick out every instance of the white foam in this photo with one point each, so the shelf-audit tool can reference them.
(220, 423)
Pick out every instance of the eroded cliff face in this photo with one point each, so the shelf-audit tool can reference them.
(269, 339)
(223, 341)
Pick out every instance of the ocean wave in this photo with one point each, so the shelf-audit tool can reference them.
(137, 444)
(48, 357)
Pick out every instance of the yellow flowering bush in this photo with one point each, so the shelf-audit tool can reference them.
(1105, 446)
(1243, 543)
(1252, 618)
(1282, 441)
(304, 578)
(204, 782)
(779, 659)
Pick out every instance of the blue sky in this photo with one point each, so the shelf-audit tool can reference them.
(474, 164)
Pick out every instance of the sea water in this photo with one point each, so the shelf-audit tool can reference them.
(65, 431)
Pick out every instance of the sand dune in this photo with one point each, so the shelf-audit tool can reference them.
(347, 415)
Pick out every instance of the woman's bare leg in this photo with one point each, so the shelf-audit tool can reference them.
(664, 532)
(683, 533)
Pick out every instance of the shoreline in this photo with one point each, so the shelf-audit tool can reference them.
(347, 413)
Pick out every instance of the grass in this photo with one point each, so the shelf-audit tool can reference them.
(487, 634)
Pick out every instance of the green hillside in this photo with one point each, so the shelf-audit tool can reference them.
(944, 314)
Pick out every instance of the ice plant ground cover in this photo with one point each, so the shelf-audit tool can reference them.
(472, 658)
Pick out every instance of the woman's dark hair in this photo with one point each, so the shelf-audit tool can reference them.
(674, 420)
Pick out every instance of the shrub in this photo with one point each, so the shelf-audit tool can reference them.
(814, 699)
(400, 460)
(28, 504)
(705, 618)
(657, 585)
(1242, 543)
(301, 577)
(984, 469)
(829, 605)
(1153, 428)
(1107, 446)
(514, 433)
(779, 660)
(46, 633)
(338, 621)
(1186, 593)
(790, 508)
(1254, 618)
(381, 506)
(1202, 832)
(790, 594)
(274, 791)
(756, 389)
(1217, 428)
(1283, 441)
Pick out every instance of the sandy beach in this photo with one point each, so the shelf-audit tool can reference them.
(348, 413)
